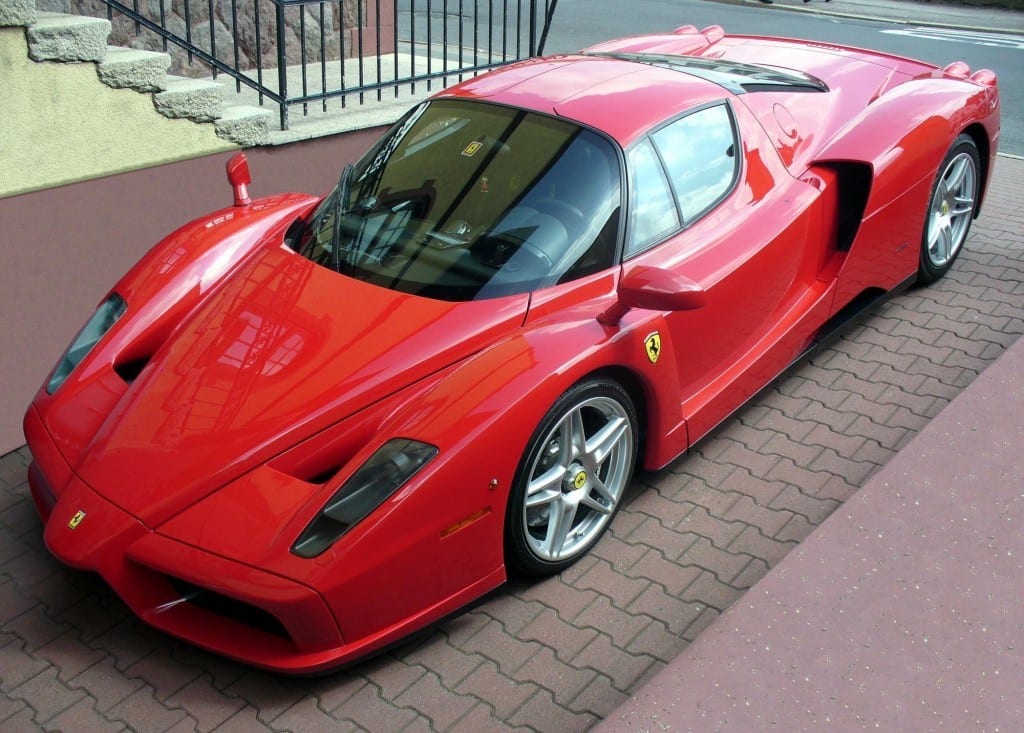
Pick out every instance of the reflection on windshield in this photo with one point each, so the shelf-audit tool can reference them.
(467, 200)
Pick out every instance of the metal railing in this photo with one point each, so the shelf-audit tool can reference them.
(319, 54)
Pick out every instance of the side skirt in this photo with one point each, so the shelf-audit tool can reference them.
(829, 332)
(851, 313)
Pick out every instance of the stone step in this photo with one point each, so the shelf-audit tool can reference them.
(60, 37)
(17, 12)
(244, 124)
(130, 68)
(195, 99)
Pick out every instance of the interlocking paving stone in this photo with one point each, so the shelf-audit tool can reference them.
(560, 653)
(369, 711)
(481, 720)
(82, 717)
(45, 694)
(209, 706)
(503, 693)
(105, 684)
(305, 717)
(246, 720)
(542, 713)
(622, 667)
(142, 712)
(430, 698)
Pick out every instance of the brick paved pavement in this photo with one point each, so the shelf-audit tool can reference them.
(562, 653)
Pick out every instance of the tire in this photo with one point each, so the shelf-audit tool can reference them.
(572, 478)
(951, 209)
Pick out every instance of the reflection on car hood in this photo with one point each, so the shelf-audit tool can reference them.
(282, 350)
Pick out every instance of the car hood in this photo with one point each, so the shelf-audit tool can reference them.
(282, 350)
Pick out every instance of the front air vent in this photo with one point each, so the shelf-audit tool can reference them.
(230, 608)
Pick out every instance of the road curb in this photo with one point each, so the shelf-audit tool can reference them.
(877, 18)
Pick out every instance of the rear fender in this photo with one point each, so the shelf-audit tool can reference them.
(904, 134)
(884, 161)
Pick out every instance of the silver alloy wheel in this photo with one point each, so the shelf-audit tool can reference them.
(577, 479)
(951, 210)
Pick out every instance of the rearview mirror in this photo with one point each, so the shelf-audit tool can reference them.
(239, 178)
(653, 288)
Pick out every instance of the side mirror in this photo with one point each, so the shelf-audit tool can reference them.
(653, 288)
(239, 178)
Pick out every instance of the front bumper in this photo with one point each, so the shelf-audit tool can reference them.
(227, 607)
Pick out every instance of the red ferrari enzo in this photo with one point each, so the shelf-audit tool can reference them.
(301, 428)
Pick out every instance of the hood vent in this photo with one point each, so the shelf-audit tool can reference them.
(130, 370)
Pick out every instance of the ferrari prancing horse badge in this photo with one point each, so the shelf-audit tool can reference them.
(653, 345)
(76, 520)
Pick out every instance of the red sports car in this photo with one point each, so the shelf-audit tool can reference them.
(301, 427)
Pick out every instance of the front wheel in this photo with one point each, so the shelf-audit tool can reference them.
(951, 209)
(571, 480)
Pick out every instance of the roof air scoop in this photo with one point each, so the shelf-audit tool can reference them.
(984, 77)
(713, 33)
(957, 70)
(685, 30)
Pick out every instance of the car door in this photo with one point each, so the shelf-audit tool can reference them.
(712, 202)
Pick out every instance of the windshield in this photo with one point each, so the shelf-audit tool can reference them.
(468, 200)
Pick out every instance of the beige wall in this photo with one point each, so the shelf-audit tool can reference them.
(59, 124)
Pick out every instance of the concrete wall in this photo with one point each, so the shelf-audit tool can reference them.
(64, 247)
(61, 124)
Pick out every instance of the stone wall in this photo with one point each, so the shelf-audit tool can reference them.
(326, 30)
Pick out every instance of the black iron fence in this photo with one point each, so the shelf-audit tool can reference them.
(317, 55)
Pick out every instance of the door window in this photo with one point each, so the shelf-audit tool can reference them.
(699, 153)
(654, 213)
(680, 172)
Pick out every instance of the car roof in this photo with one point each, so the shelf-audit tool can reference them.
(622, 97)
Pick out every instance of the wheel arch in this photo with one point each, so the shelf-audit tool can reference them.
(633, 384)
(977, 132)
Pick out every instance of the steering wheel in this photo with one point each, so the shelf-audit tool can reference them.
(542, 265)
(571, 217)
(497, 249)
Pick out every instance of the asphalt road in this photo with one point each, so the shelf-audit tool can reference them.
(579, 23)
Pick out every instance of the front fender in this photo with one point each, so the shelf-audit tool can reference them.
(492, 403)
(442, 535)
(174, 276)
(437, 543)
(160, 290)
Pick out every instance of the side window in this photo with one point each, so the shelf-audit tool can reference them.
(654, 213)
(699, 152)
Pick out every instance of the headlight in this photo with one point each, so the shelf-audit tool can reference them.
(105, 316)
(383, 474)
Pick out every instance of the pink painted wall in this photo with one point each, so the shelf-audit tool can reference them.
(64, 247)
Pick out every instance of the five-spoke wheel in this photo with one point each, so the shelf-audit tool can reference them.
(572, 479)
(950, 209)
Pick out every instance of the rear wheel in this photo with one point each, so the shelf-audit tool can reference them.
(572, 478)
(950, 210)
